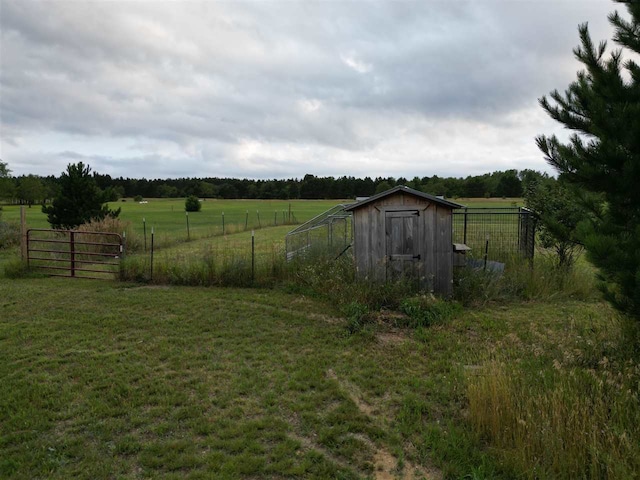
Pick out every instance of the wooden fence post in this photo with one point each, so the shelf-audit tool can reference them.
(253, 256)
(151, 261)
(23, 233)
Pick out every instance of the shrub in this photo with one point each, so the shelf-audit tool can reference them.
(133, 242)
(357, 316)
(18, 268)
(9, 234)
(427, 310)
(192, 204)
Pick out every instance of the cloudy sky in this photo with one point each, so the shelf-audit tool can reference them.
(277, 89)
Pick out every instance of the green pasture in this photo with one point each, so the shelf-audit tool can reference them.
(167, 215)
(490, 202)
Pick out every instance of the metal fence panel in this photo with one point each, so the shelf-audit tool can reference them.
(509, 231)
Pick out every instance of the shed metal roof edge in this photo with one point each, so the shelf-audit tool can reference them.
(404, 189)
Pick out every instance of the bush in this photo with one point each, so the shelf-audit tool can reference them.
(357, 316)
(192, 204)
(427, 310)
(18, 268)
(133, 242)
(9, 234)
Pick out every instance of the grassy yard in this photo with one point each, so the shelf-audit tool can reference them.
(167, 215)
(318, 377)
(113, 380)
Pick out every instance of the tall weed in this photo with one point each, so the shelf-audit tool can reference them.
(335, 280)
(577, 423)
(9, 234)
(525, 280)
(427, 310)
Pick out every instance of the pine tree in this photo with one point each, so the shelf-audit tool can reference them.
(79, 201)
(602, 157)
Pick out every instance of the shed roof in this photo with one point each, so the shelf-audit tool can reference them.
(404, 189)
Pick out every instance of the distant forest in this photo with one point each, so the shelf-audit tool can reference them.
(33, 189)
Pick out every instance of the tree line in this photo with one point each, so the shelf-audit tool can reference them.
(33, 189)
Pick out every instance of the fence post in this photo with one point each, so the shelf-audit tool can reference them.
(275, 218)
(144, 229)
(486, 252)
(345, 232)
(151, 270)
(465, 226)
(24, 248)
(246, 220)
(72, 251)
(253, 256)
(286, 247)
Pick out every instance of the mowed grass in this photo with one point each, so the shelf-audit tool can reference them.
(490, 202)
(113, 380)
(167, 215)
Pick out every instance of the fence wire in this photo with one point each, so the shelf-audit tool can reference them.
(330, 233)
(507, 231)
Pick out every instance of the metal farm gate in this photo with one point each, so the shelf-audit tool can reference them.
(74, 253)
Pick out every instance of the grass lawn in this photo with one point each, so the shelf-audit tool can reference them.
(167, 215)
(490, 202)
(112, 380)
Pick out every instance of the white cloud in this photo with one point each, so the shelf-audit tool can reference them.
(352, 61)
(279, 89)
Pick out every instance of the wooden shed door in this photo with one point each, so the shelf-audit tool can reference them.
(402, 243)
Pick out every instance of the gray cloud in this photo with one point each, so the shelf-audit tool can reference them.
(264, 89)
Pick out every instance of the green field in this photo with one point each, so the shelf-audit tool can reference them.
(168, 215)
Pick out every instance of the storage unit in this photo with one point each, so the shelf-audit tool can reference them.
(404, 233)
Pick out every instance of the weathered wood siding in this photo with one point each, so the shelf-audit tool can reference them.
(431, 230)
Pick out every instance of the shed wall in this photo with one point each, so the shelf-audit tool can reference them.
(434, 268)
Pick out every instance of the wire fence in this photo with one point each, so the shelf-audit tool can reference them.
(500, 232)
(173, 229)
(330, 233)
(506, 231)
(244, 259)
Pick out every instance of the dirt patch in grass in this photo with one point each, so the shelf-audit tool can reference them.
(386, 466)
(387, 469)
(393, 338)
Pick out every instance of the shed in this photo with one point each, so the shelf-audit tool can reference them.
(405, 233)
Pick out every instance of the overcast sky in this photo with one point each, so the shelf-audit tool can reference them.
(277, 89)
